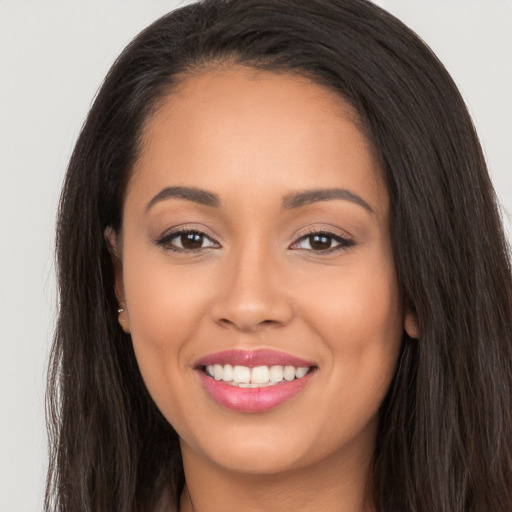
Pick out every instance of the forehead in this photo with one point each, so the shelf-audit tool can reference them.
(232, 92)
(209, 85)
(254, 129)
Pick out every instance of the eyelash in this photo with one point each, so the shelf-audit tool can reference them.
(165, 241)
(344, 243)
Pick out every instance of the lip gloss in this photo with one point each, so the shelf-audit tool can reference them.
(252, 399)
(257, 399)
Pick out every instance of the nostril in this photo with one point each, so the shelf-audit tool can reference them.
(246, 325)
(225, 322)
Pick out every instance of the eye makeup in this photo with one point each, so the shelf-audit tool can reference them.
(190, 240)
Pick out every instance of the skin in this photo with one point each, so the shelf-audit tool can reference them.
(252, 138)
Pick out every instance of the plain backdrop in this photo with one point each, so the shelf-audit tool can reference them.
(53, 56)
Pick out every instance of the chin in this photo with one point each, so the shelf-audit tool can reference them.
(263, 447)
(264, 456)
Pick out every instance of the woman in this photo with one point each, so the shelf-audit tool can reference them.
(283, 280)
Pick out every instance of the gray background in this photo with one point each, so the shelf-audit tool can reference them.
(53, 56)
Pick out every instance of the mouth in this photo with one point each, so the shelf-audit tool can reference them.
(257, 376)
(253, 381)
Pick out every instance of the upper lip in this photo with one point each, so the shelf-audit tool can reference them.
(252, 358)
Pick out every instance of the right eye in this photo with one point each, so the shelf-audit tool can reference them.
(187, 241)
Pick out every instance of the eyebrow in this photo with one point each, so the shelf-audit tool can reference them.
(196, 195)
(299, 199)
(290, 201)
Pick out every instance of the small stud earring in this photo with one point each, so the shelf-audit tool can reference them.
(123, 320)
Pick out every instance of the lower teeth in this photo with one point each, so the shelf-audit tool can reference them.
(251, 384)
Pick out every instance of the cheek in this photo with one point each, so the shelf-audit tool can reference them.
(359, 319)
(165, 312)
(357, 307)
(164, 299)
(359, 323)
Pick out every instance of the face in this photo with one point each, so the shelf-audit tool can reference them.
(255, 247)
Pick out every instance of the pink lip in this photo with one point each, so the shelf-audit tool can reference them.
(253, 358)
(252, 399)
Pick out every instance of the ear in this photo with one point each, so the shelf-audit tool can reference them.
(114, 247)
(411, 325)
(113, 244)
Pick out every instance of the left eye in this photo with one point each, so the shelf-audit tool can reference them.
(322, 242)
(187, 241)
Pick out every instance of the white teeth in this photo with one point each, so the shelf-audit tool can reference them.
(228, 373)
(253, 385)
(300, 372)
(258, 376)
(289, 373)
(242, 374)
(218, 372)
(276, 373)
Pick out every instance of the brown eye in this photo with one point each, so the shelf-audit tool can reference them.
(190, 240)
(183, 241)
(322, 242)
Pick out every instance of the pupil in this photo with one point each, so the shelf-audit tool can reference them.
(320, 242)
(191, 240)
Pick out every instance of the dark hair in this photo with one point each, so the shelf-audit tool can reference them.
(445, 433)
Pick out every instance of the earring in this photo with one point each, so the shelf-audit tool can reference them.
(123, 320)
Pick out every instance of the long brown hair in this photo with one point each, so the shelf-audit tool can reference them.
(445, 436)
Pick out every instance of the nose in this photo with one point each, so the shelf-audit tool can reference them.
(252, 294)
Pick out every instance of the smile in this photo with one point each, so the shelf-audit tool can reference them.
(253, 381)
(259, 376)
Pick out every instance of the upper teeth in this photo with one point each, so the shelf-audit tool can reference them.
(258, 376)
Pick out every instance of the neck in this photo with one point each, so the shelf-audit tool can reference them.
(336, 484)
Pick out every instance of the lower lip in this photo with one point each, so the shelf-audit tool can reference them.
(253, 399)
